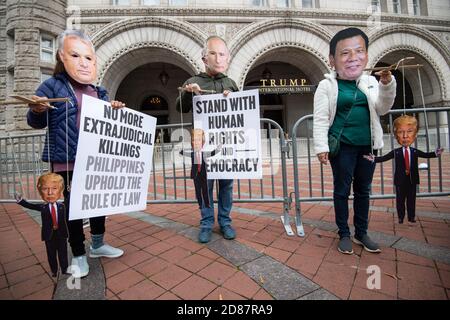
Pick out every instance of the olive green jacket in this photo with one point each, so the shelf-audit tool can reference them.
(219, 84)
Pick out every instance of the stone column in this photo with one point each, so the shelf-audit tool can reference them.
(26, 20)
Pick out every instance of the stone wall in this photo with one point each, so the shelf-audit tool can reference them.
(22, 22)
(126, 37)
(2, 61)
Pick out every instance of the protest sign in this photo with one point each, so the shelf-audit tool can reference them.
(113, 162)
(234, 123)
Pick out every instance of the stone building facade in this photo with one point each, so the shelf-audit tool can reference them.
(147, 48)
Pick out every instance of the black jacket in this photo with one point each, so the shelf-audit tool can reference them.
(62, 121)
(46, 216)
(194, 168)
(400, 170)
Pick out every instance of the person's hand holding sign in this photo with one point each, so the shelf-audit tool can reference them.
(117, 104)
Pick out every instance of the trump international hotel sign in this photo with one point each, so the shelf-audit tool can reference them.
(285, 86)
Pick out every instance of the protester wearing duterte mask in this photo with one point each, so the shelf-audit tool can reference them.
(74, 75)
(347, 107)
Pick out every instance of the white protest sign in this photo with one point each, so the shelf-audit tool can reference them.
(113, 162)
(234, 122)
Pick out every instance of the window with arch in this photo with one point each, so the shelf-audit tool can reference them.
(151, 2)
(375, 6)
(283, 3)
(47, 48)
(396, 6)
(416, 7)
(178, 2)
(307, 4)
(259, 3)
(121, 2)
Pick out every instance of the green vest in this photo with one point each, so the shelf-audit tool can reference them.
(357, 126)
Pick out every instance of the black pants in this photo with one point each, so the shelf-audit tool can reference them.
(406, 191)
(201, 191)
(57, 246)
(76, 233)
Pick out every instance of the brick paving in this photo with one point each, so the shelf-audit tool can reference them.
(162, 263)
(164, 260)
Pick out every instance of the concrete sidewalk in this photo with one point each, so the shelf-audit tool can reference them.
(163, 260)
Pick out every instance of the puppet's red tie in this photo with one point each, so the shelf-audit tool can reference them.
(55, 223)
(407, 161)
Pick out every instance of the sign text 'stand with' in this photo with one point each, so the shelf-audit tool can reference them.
(232, 122)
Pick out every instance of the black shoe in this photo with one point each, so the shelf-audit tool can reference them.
(400, 221)
(345, 245)
(367, 243)
(412, 220)
(228, 232)
(205, 235)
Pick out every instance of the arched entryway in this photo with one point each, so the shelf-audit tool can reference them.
(147, 56)
(427, 50)
(286, 67)
(152, 89)
(415, 86)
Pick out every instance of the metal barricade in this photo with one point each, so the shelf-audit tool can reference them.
(170, 182)
(316, 181)
(20, 165)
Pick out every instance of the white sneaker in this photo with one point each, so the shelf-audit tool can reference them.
(105, 251)
(79, 267)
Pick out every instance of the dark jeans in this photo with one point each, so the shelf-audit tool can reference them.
(350, 166)
(224, 204)
(76, 232)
